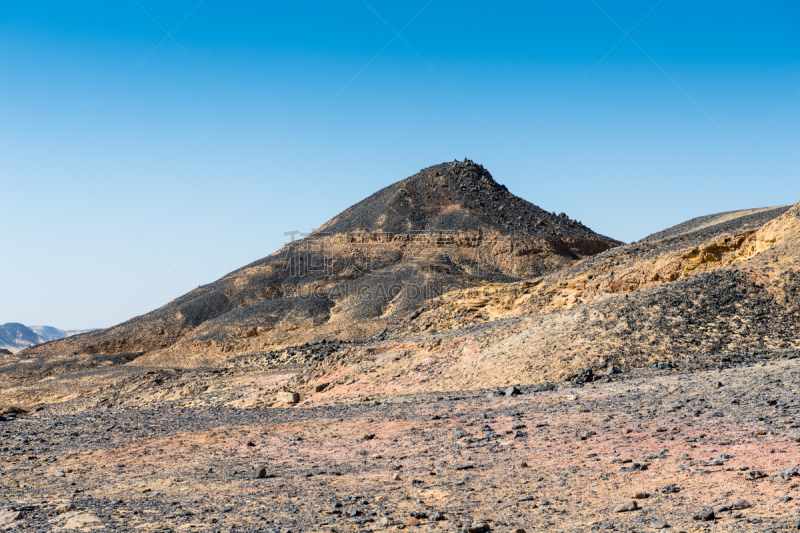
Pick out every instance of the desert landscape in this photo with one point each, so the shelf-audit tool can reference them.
(441, 356)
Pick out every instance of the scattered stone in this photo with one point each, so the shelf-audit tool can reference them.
(59, 473)
(641, 495)
(7, 516)
(482, 528)
(627, 506)
(659, 524)
(78, 519)
(319, 387)
(705, 514)
(635, 467)
(740, 504)
(259, 473)
(756, 474)
(411, 522)
(512, 391)
(65, 507)
(288, 397)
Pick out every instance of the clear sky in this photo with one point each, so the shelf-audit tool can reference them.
(149, 147)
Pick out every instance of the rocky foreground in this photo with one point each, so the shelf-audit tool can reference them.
(646, 450)
(602, 387)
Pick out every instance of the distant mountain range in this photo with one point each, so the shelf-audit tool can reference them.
(15, 337)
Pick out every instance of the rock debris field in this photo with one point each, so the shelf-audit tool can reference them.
(547, 378)
(651, 450)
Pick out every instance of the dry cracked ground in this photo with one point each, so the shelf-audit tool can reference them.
(650, 449)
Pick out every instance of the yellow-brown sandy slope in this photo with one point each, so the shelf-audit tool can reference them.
(735, 307)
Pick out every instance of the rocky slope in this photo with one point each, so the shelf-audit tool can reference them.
(719, 297)
(450, 226)
(735, 305)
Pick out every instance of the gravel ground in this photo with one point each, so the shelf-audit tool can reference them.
(676, 444)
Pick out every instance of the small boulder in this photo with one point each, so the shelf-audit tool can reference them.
(258, 472)
(7, 516)
(740, 504)
(65, 507)
(512, 391)
(705, 514)
(288, 397)
(627, 506)
(78, 519)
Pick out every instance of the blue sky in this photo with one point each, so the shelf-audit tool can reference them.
(181, 157)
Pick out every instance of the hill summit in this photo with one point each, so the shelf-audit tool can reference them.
(449, 226)
(457, 196)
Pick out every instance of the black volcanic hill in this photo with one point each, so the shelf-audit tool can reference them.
(457, 196)
(449, 226)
